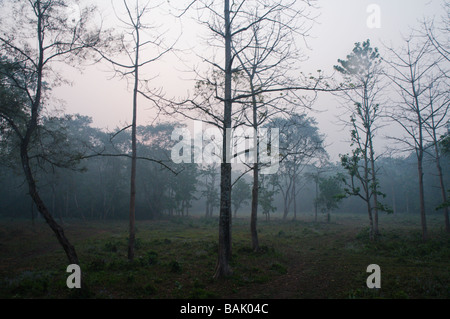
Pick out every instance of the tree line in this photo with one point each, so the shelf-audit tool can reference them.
(96, 188)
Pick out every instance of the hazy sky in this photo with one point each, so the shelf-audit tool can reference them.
(341, 23)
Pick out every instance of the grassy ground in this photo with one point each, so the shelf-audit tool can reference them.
(175, 258)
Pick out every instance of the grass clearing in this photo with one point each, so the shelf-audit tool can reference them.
(175, 258)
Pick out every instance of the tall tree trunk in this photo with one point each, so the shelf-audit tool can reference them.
(255, 189)
(254, 215)
(132, 227)
(367, 198)
(287, 200)
(441, 177)
(419, 153)
(285, 209)
(223, 268)
(422, 197)
(371, 230)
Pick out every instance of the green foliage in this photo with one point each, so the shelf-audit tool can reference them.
(444, 144)
(13, 110)
(150, 258)
(409, 266)
(240, 194)
(446, 203)
(28, 284)
(330, 192)
(362, 67)
(266, 192)
(361, 182)
(111, 246)
(279, 268)
(97, 264)
(362, 59)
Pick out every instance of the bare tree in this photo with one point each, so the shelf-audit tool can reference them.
(37, 35)
(436, 122)
(413, 68)
(267, 53)
(213, 103)
(438, 94)
(137, 39)
(233, 26)
(438, 35)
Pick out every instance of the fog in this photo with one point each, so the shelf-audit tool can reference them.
(339, 24)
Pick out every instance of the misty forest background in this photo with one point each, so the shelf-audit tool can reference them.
(100, 190)
(60, 169)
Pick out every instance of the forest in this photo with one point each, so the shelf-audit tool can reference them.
(229, 190)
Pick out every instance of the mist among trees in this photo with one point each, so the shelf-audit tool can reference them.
(58, 168)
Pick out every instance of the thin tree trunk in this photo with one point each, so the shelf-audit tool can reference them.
(285, 210)
(367, 199)
(253, 229)
(374, 184)
(287, 200)
(132, 230)
(371, 230)
(255, 189)
(420, 163)
(441, 177)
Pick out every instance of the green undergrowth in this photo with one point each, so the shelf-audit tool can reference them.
(176, 258)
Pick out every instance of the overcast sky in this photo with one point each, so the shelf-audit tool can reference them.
(341, 23)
